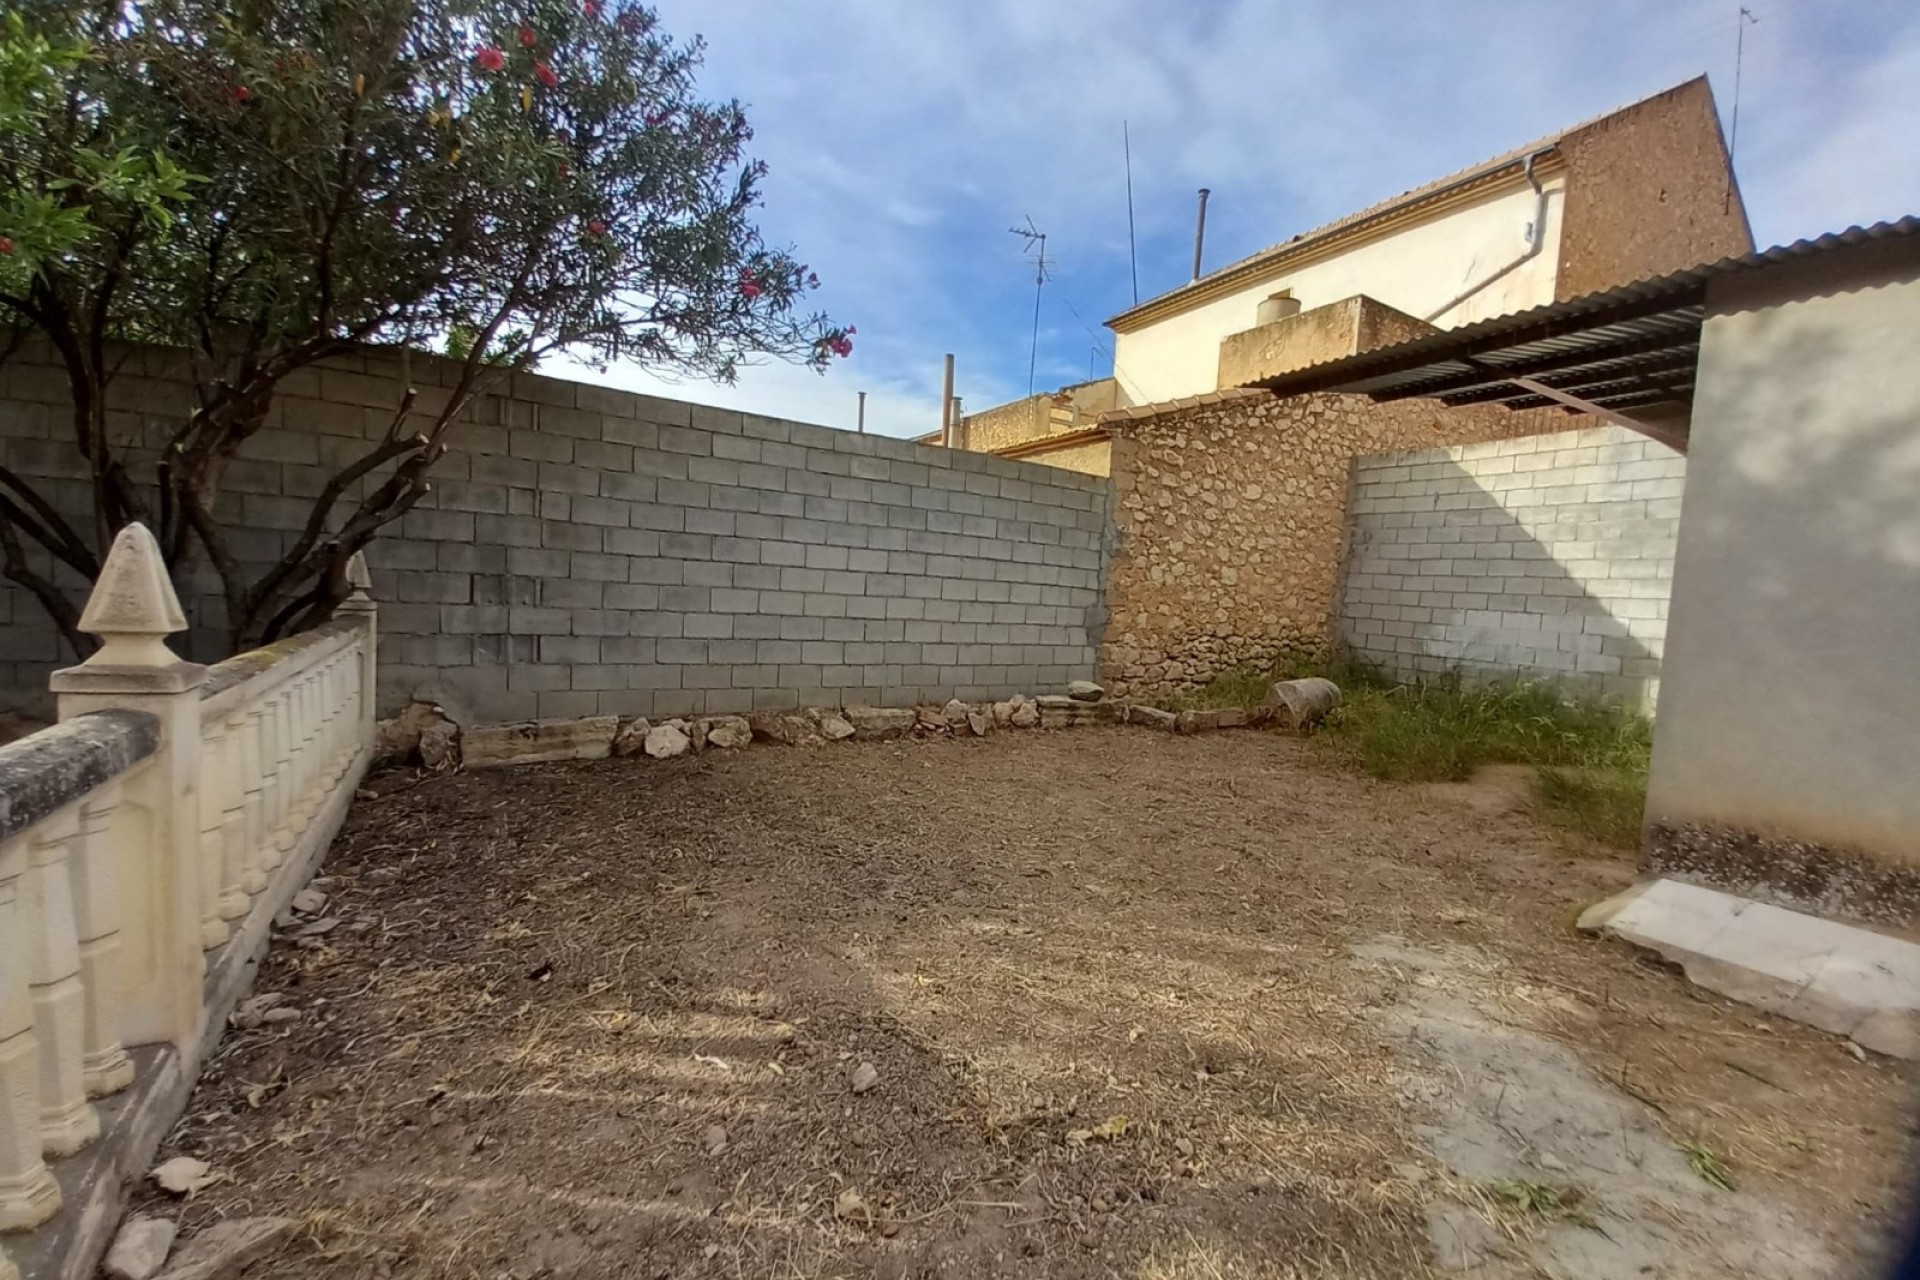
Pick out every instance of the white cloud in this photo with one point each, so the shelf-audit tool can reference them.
(905, 139)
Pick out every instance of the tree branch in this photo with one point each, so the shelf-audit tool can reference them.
(13, 561)
(57, 536)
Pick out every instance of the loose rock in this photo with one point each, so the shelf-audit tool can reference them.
(980, 723)
(252, 1012)
(383, 875)
(440, 746)
(954, 713)
(833, 726)
(880, 722)
(398, 739)
(1085, 691)
(865, 1076)
(182, 1175)
(140, 1249)
(1003, 714)
(664, 741)
(229, 1248)
(1025, 716)
(729, 733)
(632, 738)
(1152, 717)
(931, 719)
(716, 1140)
(309, 902)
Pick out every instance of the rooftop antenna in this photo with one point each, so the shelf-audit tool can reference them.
(1744, 20)
(1133, 253)
(1036, 243)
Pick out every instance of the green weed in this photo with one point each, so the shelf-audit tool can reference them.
(1705, 1164)
(1591, 757)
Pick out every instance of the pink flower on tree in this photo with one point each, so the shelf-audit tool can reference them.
(749, 284)
(527, 38)
(489, 58)
(241, 93)
(596, 228)
(591, 8)
(544, 74)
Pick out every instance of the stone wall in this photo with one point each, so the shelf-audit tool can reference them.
(1230, 516)
(587, 550)
(1540, 556)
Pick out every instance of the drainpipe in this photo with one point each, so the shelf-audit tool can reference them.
(1536, 240)
(1200, 232)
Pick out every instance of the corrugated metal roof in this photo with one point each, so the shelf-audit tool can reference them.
(1624, 347)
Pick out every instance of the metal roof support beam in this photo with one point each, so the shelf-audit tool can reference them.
(1468, 383)
(1672, 439)
(1578, 380)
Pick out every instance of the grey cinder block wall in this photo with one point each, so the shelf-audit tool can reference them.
(1545, 556)
(590, 551)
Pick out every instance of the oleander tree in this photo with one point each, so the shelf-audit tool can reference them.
(272, 183)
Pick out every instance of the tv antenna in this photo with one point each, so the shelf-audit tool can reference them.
(1741, 22)
(1036, 244)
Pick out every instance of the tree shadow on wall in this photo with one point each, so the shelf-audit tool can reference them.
(1797, 675)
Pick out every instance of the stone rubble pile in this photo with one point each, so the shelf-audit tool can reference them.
(423, 735)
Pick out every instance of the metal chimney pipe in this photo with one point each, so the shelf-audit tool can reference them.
(1200, 232)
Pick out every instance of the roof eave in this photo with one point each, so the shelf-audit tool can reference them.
(1283, 257)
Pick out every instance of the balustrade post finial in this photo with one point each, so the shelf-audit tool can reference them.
(133, 608)
(361, 580)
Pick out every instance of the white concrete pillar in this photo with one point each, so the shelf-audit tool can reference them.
(68, 1121)
(158, 857)
(279, 711)
(253, 770)
(213, 847)
(28, 1193)
(96, 905)
(228, 792)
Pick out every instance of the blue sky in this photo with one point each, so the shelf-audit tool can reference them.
(905, 138)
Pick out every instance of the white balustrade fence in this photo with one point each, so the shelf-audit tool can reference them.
(146, 843)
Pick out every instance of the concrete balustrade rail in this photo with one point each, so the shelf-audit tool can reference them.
(146, 843)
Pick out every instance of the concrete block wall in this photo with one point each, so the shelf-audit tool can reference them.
(590, 551)
(1543, 556)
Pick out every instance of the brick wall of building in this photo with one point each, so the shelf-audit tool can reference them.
(587, 550)
(1543, 556)
(1230, 518)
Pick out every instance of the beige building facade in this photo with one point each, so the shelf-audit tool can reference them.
(1641, 192)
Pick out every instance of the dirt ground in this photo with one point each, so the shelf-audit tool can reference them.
(1135, 1005)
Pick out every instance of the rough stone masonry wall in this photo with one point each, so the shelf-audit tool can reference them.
(1230, 515)
(1540, 556)
(592, 551)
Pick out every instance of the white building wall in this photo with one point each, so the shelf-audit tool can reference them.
(1542, 557)
(1419, 271)
(1790, 706)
